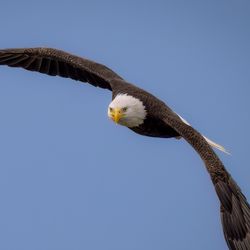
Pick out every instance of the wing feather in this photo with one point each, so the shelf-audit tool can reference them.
(59, 63)
(235, 210)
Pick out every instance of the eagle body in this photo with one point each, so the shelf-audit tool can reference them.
(154, 127)
(146, 115)
(153, 124)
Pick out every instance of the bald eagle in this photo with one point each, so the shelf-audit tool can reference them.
(145, 114)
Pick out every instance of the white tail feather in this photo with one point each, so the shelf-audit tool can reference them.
(210, 142)
(216, 145)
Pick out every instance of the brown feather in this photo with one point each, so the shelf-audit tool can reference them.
(235, 210)
(56, 62)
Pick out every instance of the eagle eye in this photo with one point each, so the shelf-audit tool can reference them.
(124, 109)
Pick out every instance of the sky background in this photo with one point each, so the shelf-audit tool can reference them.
(71, 179)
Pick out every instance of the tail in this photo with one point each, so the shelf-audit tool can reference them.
(235, 214)
(210, 142)
(216, 145)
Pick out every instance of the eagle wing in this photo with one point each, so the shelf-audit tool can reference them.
(235, 210)
(59, 63)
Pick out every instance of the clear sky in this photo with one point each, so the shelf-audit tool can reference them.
(70, 179)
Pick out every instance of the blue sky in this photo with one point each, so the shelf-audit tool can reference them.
(69, 177)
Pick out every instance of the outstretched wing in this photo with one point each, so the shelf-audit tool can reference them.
(56, 62)
(235, 210)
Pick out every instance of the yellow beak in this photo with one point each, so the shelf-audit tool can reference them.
(117, 114)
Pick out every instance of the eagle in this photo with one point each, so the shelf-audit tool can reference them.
(146, 115)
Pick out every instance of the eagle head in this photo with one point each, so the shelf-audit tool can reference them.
(127, 110)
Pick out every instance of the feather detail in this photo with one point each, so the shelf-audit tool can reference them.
(216, 145)
(210, 142)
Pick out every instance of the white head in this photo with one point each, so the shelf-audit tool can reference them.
(127, 110)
